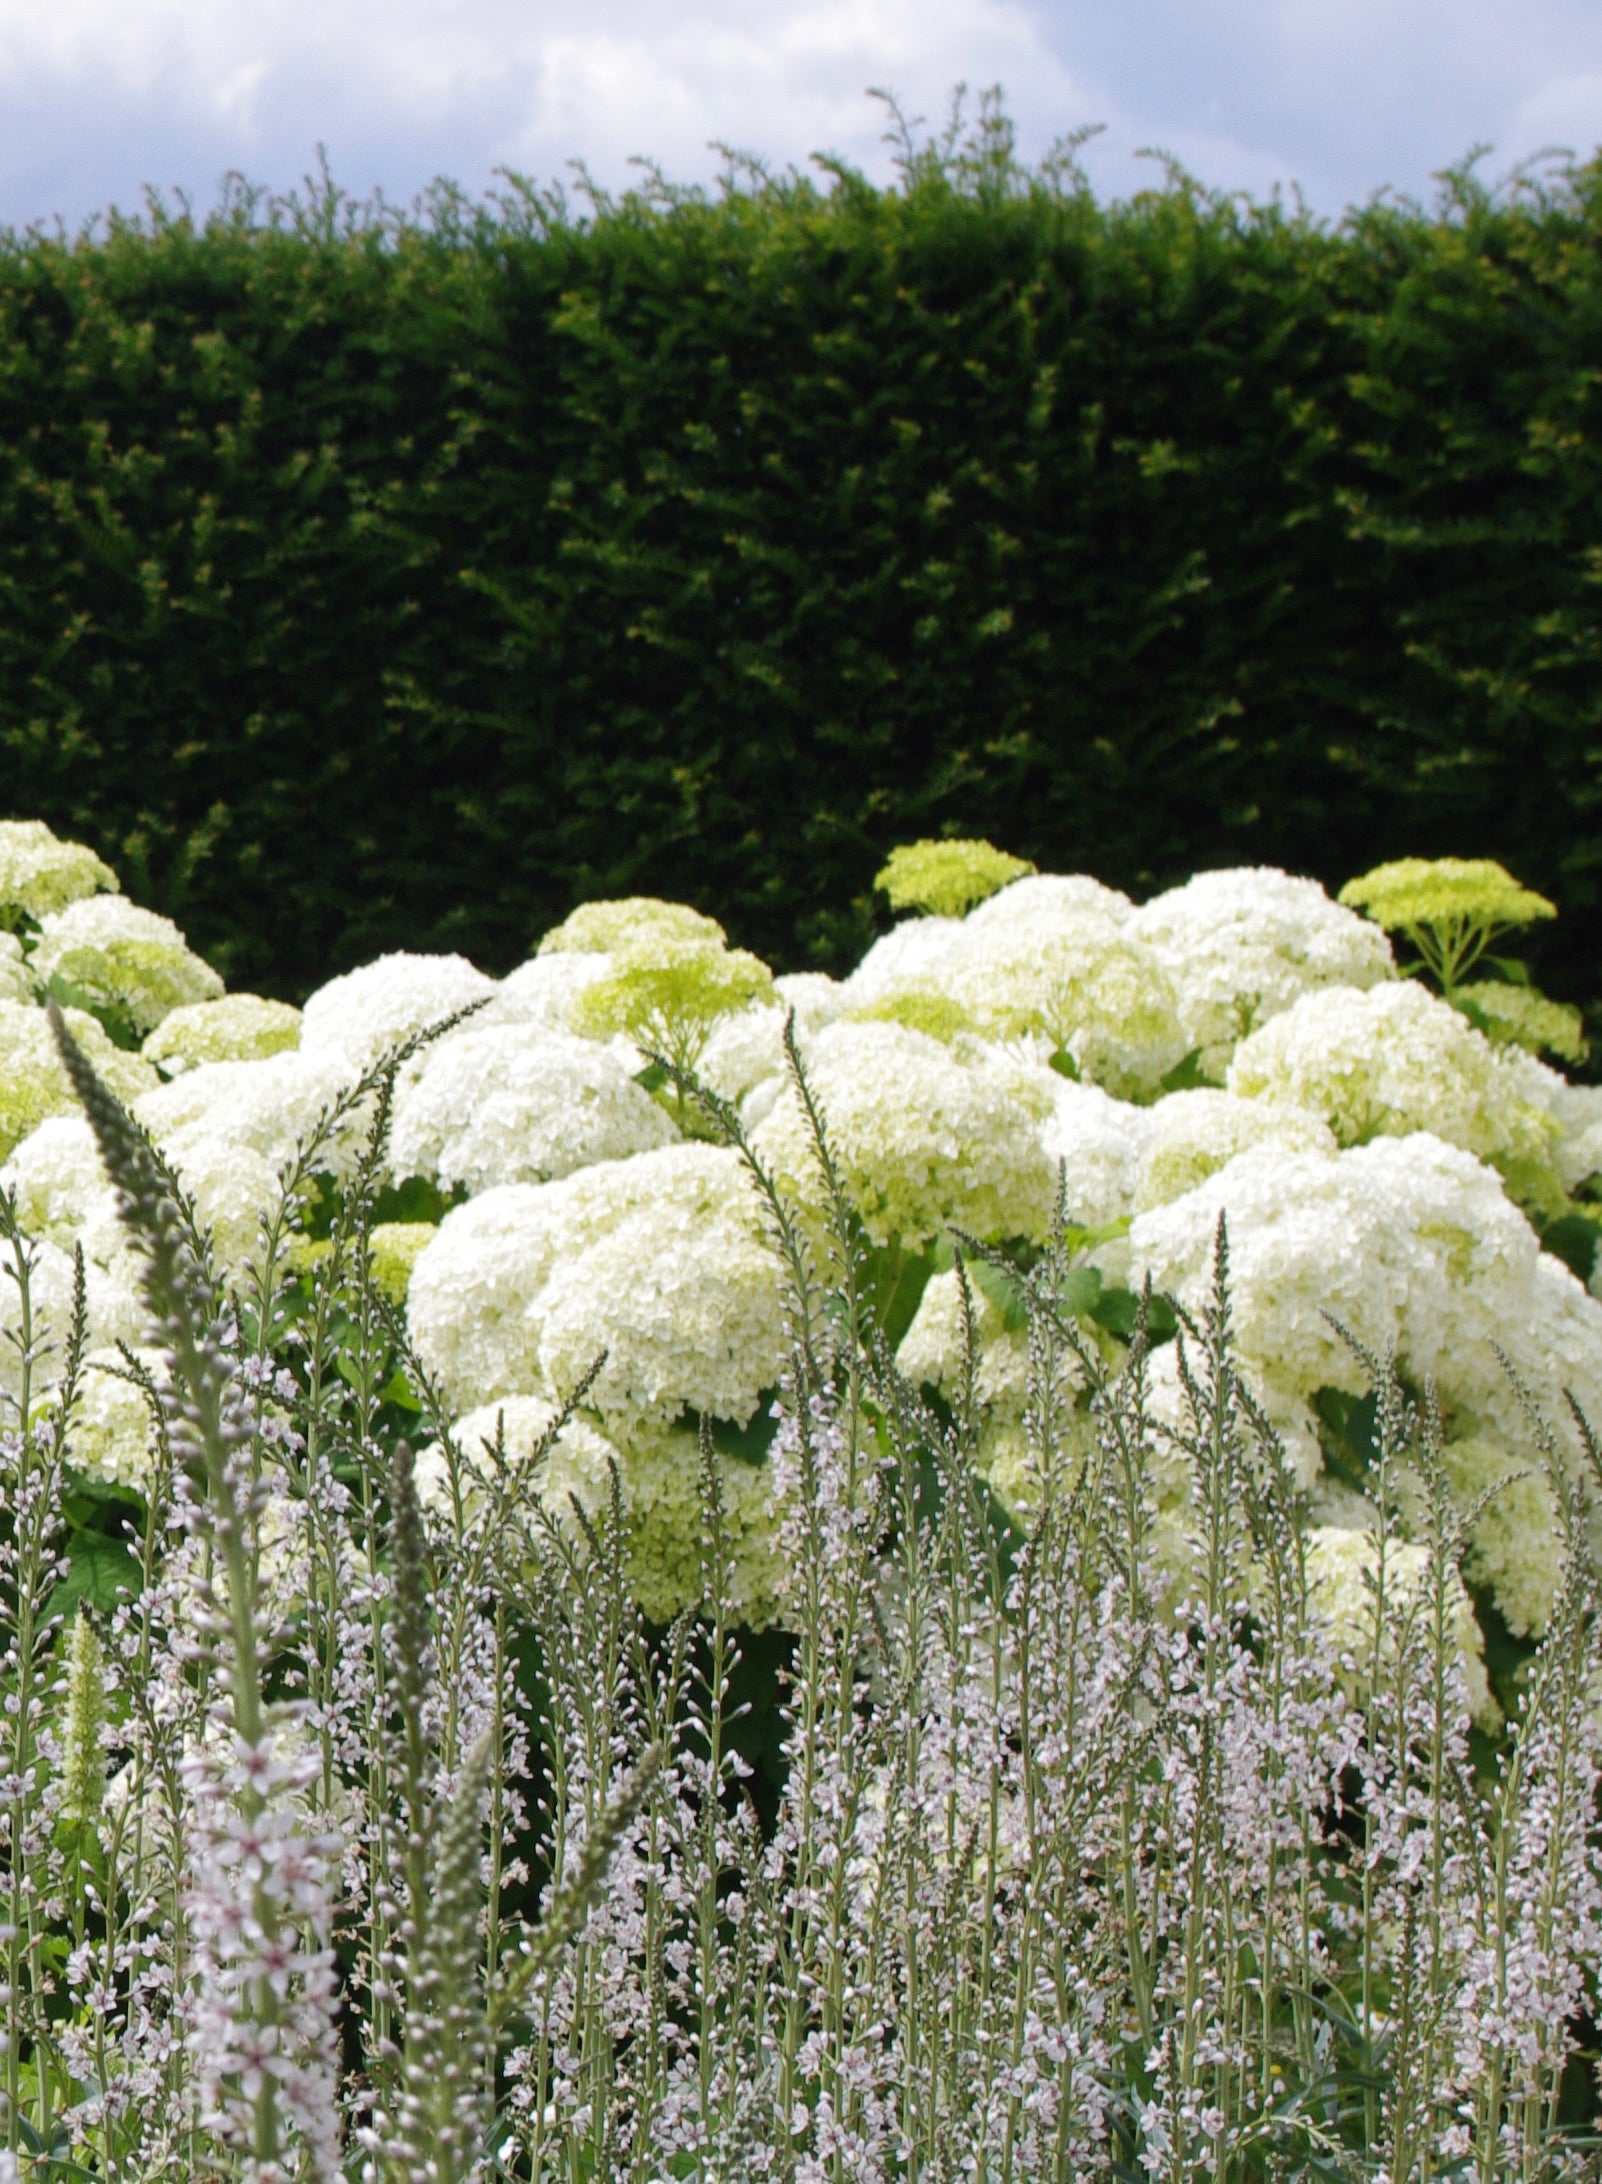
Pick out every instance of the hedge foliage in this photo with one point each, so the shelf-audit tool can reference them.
(370, 581)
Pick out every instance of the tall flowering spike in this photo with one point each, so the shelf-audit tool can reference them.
(440, 2122)
(83, 1758)
(175, 1283)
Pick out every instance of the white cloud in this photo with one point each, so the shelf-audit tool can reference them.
(99, 97)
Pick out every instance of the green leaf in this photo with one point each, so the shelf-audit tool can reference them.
(1002, 1291)
(652, 1077)
(1065, 1065)
(398, 1390)
(1575, 1239)
(1188, 1075)
(1118, 1310)
(1347, 1425)
(747, 1444)
(418, 1198)
(100, 1571)
(899, 1279)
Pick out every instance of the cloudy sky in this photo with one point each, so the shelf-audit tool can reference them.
(100, 98)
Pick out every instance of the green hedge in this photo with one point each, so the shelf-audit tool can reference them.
(369, 582)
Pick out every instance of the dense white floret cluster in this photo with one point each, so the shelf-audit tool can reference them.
(33, 1084)
(1413, 1245)
(659, 1261)
(1391, 1060)
(354, 1019)
(119, 956)
(518, 1103)
(923, 1136)
(236, 1027)
(1191, 1135)
(1240, 946)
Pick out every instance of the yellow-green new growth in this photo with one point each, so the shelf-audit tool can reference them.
(1520, 1016)
(1450, 908)
(40, 874)
(630, 922)
(667, 995)
(83, 1762)
(947, 878)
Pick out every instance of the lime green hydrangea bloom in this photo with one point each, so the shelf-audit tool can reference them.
(40, 875)
(662, 1492)
(1515, 1547)
(947, 878)
(122, 958)
(1450, 908)
(33, 1084)
(630, 922)
(668, 995)
(393, 1249)
(1342, 1566)
(919, 1008)
(237, 1027)
(1519, 1016)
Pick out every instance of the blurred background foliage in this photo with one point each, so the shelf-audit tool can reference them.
(372, 579)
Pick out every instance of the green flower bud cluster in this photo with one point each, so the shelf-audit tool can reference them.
(947, 878)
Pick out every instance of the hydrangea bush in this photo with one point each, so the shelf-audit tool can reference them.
(1185, 1753)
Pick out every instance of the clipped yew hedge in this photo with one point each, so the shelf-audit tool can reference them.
(372, 581)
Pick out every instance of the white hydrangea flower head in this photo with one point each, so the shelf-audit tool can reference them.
(40, 874)
(659, 1260)
(931, 1351)
(922, 1135)
(116, 1312)
(1242, 945)
(576, 1467)
(1101, 1142)
(1410, 1243)
(917, 952)
(1393, 1060)
(631, 922)
(518, 1103)
(1342, 1565)
(743, 1060)
(1091, 986)
(1516, 1548)
(544, 990)
(33, 1084)
(236, 1027)
(1049, 900)
(123, 957)
(63, 1193)
(662, 1485)
(16, 980)
(65, 1199)
(1577, 1111)
(357, 1017)
(113, 1436)
(1191, 1135)
(268, 1106)
(232, 1187)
